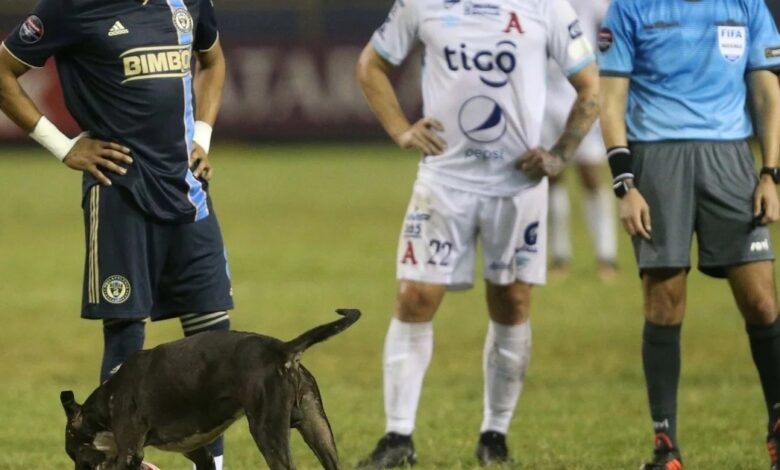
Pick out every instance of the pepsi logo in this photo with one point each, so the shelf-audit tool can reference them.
(482, 119)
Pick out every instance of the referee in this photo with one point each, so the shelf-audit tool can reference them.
(676, 76)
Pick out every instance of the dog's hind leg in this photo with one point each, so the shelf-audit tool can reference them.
(269, 423)
(202, 459)
(313, 424)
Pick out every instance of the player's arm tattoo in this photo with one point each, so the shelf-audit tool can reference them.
(583, 113)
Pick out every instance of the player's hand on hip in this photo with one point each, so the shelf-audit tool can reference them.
(201, 166)
(635, 214)
(422, 136)
(538, 162)
(766, 207)
(96, 156)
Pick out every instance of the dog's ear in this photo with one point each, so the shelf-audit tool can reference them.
(68, 401)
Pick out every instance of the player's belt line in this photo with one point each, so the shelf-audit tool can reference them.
(156, 75)
(178, 47)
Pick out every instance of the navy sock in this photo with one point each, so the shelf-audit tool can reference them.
(765, 348)
(196, 323)
(661, 361)
(120, 339)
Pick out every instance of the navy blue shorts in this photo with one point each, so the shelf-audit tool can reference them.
(138, 267)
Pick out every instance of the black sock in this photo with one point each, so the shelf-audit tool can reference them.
(765, 348)
(194, 324)
(661, 361)
(120, 339)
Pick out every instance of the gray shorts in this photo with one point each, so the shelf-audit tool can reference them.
(704, 188)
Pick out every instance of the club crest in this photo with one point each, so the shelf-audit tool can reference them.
(116, 289)
(182, 20)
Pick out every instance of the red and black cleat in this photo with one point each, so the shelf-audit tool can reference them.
(665, 455)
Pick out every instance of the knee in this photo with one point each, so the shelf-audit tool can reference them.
(665, 303)
(589, 175)
(760, 309)
(509, 305)
(417, 302)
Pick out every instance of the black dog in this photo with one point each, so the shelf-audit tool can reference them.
(180, 396)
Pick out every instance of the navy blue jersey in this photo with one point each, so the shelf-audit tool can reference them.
(125, 68)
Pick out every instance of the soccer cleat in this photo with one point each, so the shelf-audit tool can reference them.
(392, 451)
(665, 455)
(492, 449)
(559, 269)
(608, 271)
(773, 438)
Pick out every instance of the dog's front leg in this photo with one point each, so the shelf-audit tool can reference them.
(314, 425)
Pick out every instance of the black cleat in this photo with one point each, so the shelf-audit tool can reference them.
(665, 455)
(392, 451)
(491, 449)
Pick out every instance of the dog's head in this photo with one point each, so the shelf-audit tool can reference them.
(89, 448)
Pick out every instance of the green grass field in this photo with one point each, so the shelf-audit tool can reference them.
(311, 228)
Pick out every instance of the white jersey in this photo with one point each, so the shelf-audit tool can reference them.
(484, 79)
(560, 93)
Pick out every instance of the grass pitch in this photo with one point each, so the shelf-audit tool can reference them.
(311, 228)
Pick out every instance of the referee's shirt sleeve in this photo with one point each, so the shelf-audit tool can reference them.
(206, 33)
(44, 33)
(616, 41)
(764, 40)
(566, 43)
(398, 34)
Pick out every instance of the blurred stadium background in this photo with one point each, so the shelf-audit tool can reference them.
(310, 196)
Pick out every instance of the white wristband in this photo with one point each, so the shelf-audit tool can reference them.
(203, 135)
(47, 134)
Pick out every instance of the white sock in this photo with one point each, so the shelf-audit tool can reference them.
(408, 351)
(217, 461)
(505, 362)
(558, 219)
(600, 212)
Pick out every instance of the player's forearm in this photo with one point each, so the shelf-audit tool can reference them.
(374, 80)
(765, 97)
(583, 114)
(209, 83)
(614, 93)
(14, 102)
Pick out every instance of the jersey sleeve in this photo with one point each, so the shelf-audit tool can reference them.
(207, 33)
(764, 45)
(616, 41)
(566, 43)
(43, 34)
(398, 34)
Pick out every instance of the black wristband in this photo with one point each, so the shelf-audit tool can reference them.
(621, 163)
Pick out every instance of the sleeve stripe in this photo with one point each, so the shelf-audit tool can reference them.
(18, 59)
(382, 52)
(212, 46)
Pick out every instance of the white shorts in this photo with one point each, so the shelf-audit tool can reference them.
(591, 151)
(438, 241)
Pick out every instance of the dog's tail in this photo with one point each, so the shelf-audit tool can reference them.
(323, 332)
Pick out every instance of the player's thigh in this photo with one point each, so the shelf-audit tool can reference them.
(513, 231)
(437, 241)
(196, 276)
(665, 178)
(118, 281)
(725, 229)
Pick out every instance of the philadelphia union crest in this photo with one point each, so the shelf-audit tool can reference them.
(116, 289)
(182, 20)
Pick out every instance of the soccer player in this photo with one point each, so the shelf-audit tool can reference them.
(676, 78)
(482, 176)
(154, 247)
(589, 159)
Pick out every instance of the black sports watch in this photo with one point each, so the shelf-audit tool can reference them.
(772, 171)
(622, 187)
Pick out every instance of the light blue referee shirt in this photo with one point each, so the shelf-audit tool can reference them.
(687, 62)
